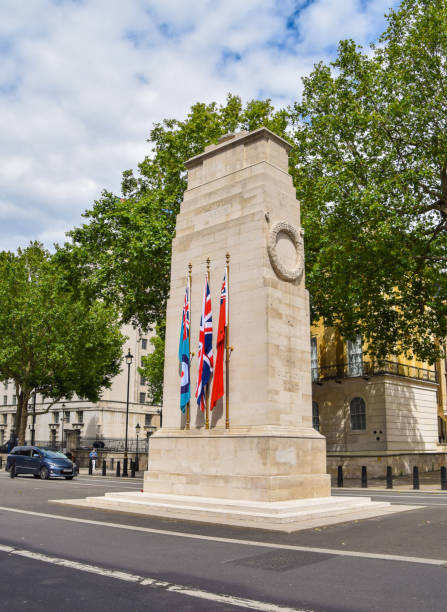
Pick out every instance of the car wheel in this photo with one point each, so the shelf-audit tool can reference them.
(44, 473)
(12, 471)
(68, 477)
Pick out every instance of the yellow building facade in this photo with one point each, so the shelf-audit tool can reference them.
(372, 413)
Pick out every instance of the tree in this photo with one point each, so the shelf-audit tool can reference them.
(370, 169)
(123, 252)
(53, 340)
(153, 366)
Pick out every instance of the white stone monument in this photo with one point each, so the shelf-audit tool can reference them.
(240, 200)
(268, 467)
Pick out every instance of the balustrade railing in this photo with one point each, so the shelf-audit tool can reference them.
(373, 368)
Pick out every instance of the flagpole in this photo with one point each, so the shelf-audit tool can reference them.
(188, 405)
(227, 350)
(207, 394)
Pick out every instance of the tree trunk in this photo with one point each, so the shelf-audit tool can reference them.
(22, 408)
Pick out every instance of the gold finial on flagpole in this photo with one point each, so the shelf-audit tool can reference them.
(188, 405)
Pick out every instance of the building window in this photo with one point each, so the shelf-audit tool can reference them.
(144, 344)
(55, 417)
(5, 418)
(142, 381)
(314, 358)
(147, 420)
(67, 416)
(315, 416)
(80, 416)
(355, 357)
(357, 411)
(14, 400)
(53, 437)
(6, 385)
(142, 397)
(5, 400)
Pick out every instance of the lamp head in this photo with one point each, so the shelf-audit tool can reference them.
(129, 357)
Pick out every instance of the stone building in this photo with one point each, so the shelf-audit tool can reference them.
(391, 412)
(76, 423)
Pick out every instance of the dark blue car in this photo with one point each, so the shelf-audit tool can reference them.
(39, 462)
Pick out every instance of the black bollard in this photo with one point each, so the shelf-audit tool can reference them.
(443, 479)
(90, 467)
(118, 469)
(132, 469)
(340, 476)
(125, 464)
(104, 468)
(1, 462)
(415, 477)
(389, 477)
(364, 478)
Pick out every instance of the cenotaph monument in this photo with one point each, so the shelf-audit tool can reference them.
(264, 465)
(241, 201)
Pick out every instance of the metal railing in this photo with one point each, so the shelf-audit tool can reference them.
(107, 444)
(372, 368)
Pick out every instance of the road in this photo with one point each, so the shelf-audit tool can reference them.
(57, 558)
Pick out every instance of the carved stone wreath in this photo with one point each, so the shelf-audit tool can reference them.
(296, 236)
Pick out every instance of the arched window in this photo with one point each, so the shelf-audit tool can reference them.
(315, 416)
(357, 410)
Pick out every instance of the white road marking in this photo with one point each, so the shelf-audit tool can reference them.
(85, 483)
(193, 536)
(241, 602)
(396, 495)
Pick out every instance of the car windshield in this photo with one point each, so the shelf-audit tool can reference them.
(53, 454)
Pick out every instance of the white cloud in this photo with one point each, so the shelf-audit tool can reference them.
(82, 82)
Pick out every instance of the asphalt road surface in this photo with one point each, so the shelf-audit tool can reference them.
(58, 558)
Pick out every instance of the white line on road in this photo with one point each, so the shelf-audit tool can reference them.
(415, 496)
(250, 604)
(84, 483)
(194, 536)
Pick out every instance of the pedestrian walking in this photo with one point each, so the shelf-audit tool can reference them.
(93, 456)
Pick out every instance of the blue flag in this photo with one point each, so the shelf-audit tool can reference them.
(183, 354)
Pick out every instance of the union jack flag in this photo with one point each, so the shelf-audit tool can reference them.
(205, 355)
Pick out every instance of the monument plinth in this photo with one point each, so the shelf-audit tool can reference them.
(240, 200)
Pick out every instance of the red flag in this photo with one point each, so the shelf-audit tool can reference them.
(218, 380)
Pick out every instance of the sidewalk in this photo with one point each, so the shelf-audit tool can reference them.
(429, 482)
(110, 474)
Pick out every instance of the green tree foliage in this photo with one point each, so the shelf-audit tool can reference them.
(153, 366)
(370, 161)
(123, 251)
(53, 341)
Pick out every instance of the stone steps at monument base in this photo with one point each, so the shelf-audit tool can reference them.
(285, 510)
(283, 516)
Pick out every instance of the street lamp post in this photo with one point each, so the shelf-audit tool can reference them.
(129, 358)
(137, 459)
(62, 428)
(33, 429)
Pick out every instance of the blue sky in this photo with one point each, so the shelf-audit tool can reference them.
(82, 82)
